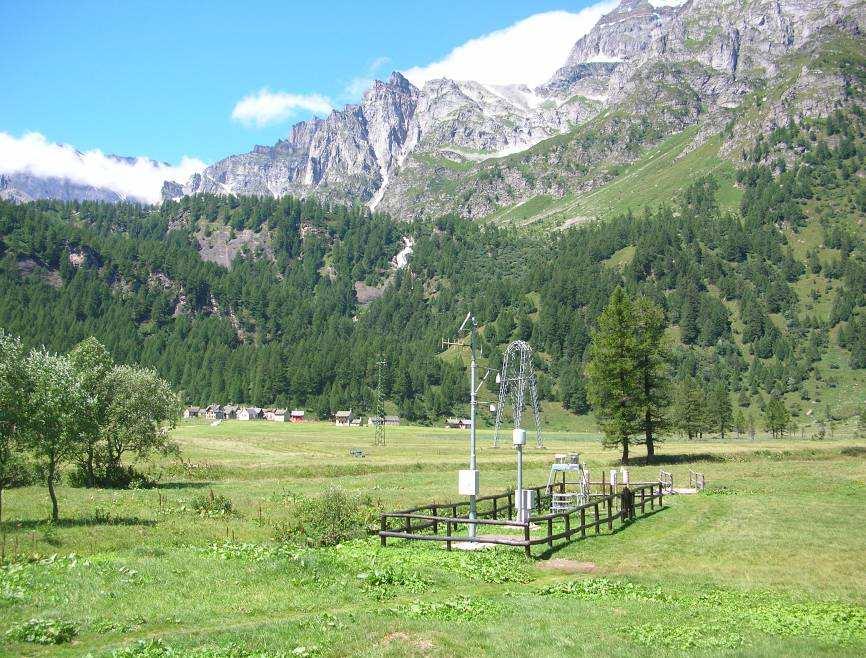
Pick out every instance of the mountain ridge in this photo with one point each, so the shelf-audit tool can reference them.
(641, 75)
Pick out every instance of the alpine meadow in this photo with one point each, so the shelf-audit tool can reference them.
(555, 346)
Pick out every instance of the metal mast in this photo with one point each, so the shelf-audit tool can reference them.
(516, 376)
(379, 421)
(470, 325)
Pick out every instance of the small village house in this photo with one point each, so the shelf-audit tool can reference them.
(297, 415)
(214, 412)
(230, 411)
(279, 416)
(458, 423)
(268, 414)
(344, 418)
(250, 413)
(191, 412)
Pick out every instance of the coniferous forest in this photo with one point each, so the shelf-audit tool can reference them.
(765, 303)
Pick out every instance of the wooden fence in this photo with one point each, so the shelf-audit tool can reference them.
(425, 522)
(667, 480)
(696, 480)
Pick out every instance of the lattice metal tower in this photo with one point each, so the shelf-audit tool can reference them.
(515, 377)
(379, 420)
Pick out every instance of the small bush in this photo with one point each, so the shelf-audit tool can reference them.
(326, 520)
(211, 504)
(43, 631)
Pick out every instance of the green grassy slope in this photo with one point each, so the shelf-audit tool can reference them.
(660, 174)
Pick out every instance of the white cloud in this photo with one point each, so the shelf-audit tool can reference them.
(266, 107)
(359, 84)
(140, 180)
(528, 52)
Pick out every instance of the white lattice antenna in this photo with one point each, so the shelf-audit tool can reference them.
(516, 375)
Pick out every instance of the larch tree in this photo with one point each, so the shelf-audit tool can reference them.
(740, 423)
(777, 417)
(720, 410)
(613, 382)
(690, 408)
(652, 354)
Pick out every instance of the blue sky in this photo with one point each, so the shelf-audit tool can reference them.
(161, 79)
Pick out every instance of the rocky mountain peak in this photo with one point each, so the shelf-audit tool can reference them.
(404, 148)
(624, 34)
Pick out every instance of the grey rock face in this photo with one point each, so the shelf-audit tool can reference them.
(354, 153)
(344, 156)
(658, 70)
(620, 36)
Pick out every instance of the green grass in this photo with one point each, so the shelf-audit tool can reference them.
(771, 560)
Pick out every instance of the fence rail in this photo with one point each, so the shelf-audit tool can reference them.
(617, 502)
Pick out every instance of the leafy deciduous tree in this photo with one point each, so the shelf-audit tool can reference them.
(51, 418)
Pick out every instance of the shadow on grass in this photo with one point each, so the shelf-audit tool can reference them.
(618, 527)
(681, 458)
(199, 484)
(44, 524)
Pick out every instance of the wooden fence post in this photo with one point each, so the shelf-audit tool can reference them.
(550, 533)
(642, 500)
(509, 505)
(435, 509)
(567, 526)
(610, 513)
(384, 526)
(495, 515)
(583, 523)
(597, 519)
(448, 530)
(661, 498)
(527, 546)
